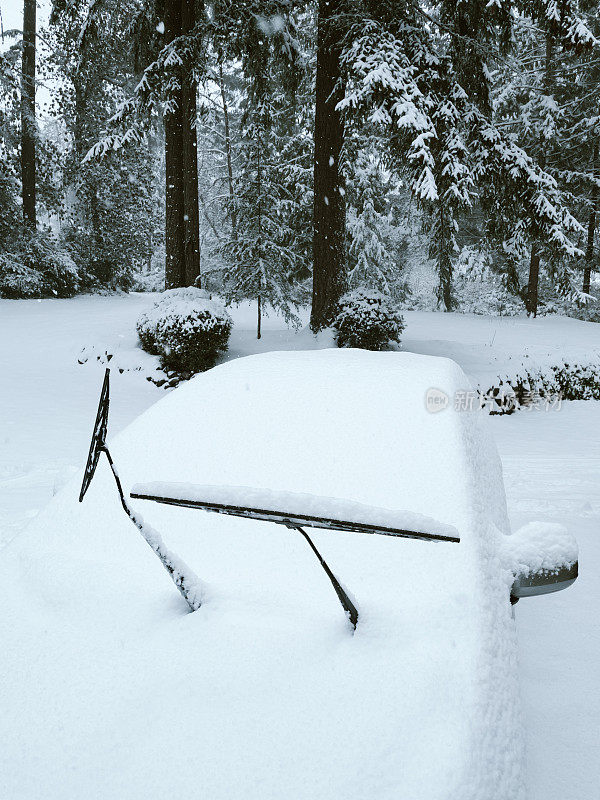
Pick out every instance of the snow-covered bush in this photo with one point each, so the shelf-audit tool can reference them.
(151, 277)
(479, 289)
(586, 308)
(190, 338)
(17, 279)
(148, 321)
(186, 329)
(568, 381)
(367, 319)
(146, 331)
(38, 267)
(61, 275)
(577, 381)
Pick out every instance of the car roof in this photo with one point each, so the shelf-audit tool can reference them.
(345, 424)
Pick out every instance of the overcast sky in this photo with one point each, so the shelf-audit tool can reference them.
(12, 13)
(12, 17)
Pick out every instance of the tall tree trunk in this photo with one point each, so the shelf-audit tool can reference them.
(329, 209)
(28, 123)
(79, 126)
(531, 303)
(591, 231)
(182, 232)
(191, 216)
(174, 234)
(444, 259)
(232, 210)
(259, 243)
(534, 263)
(258, 317)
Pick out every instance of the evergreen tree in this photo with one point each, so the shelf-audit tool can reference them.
(182, 217)
(329, 211)
(110, 206)
(9, 145)
(442, 136)
(542, 97)
(28, 114)
(193, 43)
(373, 252)
(268, 249)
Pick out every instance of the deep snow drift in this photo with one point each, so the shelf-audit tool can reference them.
(552, 472)
(45, 398)
(264, 692)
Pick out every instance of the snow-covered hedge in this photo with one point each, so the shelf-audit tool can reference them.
(367, 319)
(186, 329)
(568, 381)
(17, 279)
(38, 267)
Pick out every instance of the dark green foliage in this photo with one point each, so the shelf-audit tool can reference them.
(111, 209)
(270, 192)
(483, 113)
(38, 267)
(374, 243)
(112, 230)
(10, 213)
(266, 255)
(17, 280)
(557, 383)
(367, 319)
(578, 381)
(421, 76)
(186, 330)
(191, 341)
(146, 331)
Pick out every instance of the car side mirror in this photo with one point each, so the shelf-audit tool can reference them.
(544, 582)
(542, 557)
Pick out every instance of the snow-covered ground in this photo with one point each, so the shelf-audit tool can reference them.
(552, 472)
(47, 398)
(551, 463)
(492, 347)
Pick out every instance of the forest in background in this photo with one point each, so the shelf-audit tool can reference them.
(444, 153)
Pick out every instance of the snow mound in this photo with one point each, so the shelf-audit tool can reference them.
(111, 689)
(183, 304)
(539, 546)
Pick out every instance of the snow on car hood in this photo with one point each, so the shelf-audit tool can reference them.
(112, 690)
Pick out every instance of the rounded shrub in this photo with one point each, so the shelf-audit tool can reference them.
(185, 329)
(367, 319)
(146, 331)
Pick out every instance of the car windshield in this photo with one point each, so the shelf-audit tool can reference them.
(349, 426)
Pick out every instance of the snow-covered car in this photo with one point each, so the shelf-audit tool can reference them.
(266, 691)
